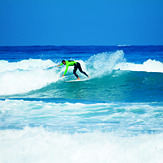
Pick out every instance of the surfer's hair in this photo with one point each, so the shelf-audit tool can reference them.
(63, 61)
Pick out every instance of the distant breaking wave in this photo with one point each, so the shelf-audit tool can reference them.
(147, 66)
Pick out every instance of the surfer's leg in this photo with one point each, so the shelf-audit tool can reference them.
(80, 69)
(74, 71)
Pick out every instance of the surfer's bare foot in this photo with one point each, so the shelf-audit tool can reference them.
(78, 78)
(88, 76)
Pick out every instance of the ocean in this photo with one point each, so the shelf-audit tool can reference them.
(115, 116)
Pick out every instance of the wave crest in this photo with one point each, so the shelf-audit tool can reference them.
(27, 75)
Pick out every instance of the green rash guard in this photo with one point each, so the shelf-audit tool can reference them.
(68, 63)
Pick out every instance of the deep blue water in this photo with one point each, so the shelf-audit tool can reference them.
(132, 53)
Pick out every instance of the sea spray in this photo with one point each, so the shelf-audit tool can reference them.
(103, 63)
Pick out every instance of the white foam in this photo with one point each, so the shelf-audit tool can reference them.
(25, 65)
(39, 145)
(26, 75)
(123, 118)
(147, 66)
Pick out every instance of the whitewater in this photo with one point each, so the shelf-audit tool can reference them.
(116, 115)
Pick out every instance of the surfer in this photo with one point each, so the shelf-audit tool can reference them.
(76, 66)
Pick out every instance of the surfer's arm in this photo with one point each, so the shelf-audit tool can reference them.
(65, 70)
(60, 65)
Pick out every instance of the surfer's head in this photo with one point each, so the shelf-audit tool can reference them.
(64, 62)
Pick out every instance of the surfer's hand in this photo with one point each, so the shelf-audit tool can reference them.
(62, 75)
(58, 66)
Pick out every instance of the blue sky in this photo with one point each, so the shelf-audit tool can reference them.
(81, 22)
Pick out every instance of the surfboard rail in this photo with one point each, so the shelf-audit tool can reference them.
(71, 81)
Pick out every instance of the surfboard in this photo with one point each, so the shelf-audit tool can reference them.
(71, 81)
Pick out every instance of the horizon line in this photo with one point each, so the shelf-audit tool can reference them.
(75, 45)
